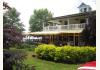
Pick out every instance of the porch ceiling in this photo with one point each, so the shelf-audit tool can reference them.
(53, 32)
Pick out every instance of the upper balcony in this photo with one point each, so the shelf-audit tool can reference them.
(65, 27)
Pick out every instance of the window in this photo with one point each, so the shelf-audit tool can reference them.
(82, 21)
(85, 10)
(81, 10)
(65, 23)
(60, 20)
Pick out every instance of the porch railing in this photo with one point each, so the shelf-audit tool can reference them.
(64, 27)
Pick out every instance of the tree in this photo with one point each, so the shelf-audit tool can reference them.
(89, 33)
(6, 6)
(38, 18)
(11, 17)
(12, 28)
(12, 34)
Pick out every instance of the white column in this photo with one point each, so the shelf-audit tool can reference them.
(87, 21)
(68, 23)
(59, 27)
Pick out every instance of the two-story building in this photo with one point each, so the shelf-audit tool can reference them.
(65, 30)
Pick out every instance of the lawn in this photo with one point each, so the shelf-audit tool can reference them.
(40, 64)
(48, 65)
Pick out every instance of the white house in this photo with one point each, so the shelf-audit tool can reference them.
(66, 29)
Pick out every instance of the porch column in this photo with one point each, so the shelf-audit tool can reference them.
(78, 39)
(68, 23)
(87, 20)
(68, 39)
(62, 38)
(51, 39)
(74, 39)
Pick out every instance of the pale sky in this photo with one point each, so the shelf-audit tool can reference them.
(57, 7)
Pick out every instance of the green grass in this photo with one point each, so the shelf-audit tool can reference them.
(48, 65)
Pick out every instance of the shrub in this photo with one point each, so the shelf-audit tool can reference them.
(13, 58)
(25, 46)
(66, 54)
(45, 51)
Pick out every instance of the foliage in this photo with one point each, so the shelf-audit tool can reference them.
(13, 58)
(45, 51)
(31, 42)
(66, 54)
(39, 17)
(89, 33)
(11, 18)
(25, 46)
(6, 6)
(12, 28)
(12, 34)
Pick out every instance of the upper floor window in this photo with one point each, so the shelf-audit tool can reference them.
(85, 9)
(66, 23)
(82, 21)
(60, 20)
(81, 10)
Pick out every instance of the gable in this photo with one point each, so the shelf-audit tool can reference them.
(82, 5)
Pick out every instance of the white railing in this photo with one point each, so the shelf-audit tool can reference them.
(64, 27)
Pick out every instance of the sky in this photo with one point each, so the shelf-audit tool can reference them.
(57, 7)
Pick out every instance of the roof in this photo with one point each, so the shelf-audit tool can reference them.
(82, 4)
(74, 15)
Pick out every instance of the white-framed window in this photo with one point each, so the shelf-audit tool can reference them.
(85, 9)
(81, 10)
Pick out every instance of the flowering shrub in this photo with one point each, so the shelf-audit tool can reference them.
(66, 54)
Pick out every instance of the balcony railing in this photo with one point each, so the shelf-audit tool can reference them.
(64, 27)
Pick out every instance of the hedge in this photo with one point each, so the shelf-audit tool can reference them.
(25, 46)
(66, 54)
